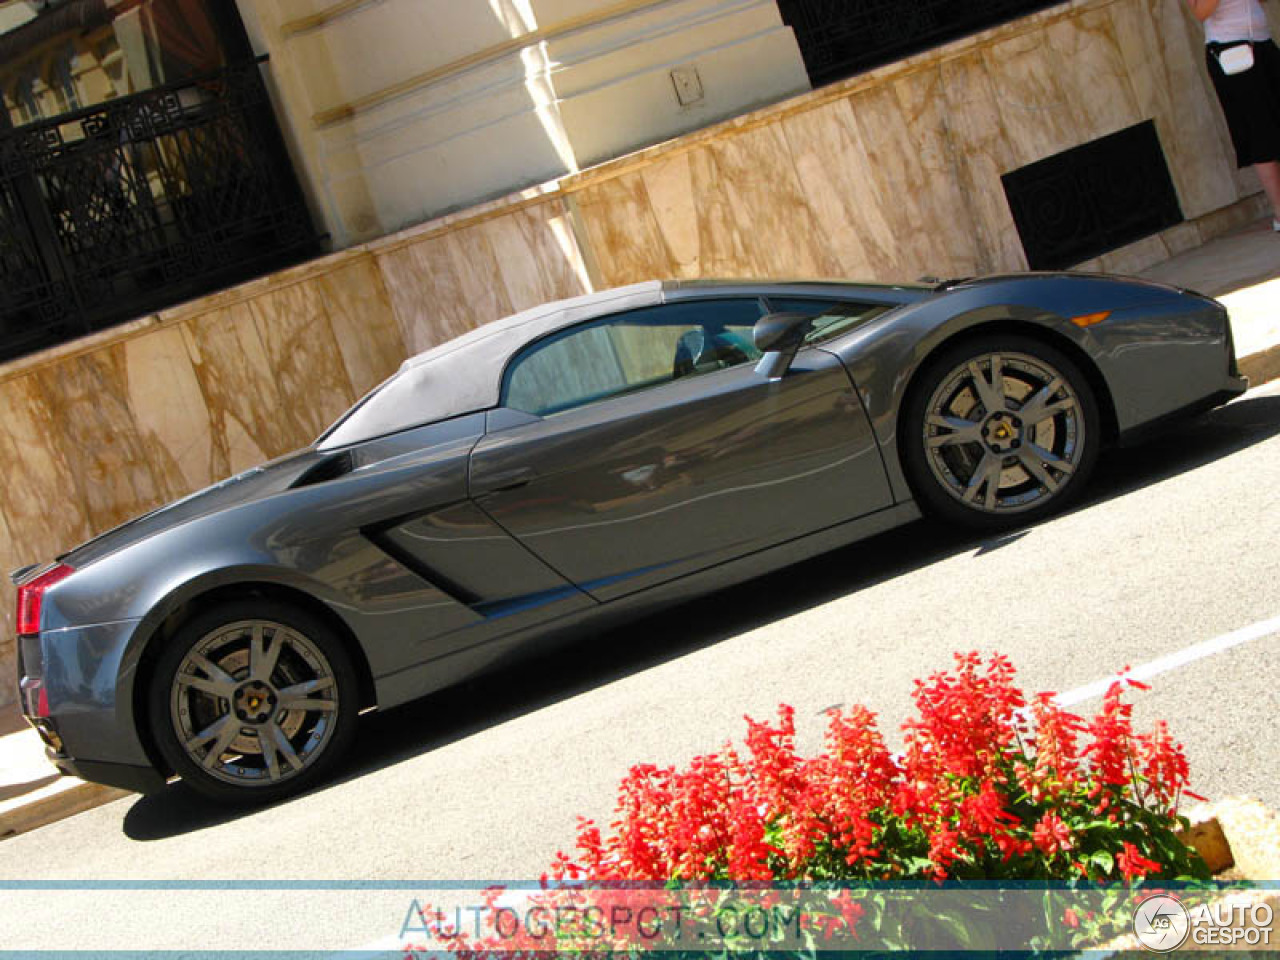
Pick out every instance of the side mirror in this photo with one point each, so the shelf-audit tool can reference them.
(779, 336)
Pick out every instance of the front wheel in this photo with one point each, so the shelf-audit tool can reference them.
(253, 701)
(1000, 431)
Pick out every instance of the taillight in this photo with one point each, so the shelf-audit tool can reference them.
(31, 597)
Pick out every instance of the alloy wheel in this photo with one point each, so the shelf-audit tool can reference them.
(254, 703)
(1004, 432)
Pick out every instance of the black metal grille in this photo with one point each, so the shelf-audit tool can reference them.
(1093, 198)
(839, 38)
(140, 202)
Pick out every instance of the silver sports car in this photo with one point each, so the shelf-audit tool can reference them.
(571, 465)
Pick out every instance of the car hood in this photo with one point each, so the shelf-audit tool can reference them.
(253, 484)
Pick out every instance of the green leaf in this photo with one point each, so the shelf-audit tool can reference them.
(1104, 861)
(918, 865)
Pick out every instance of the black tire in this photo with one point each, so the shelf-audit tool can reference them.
(1037, 469)
(310, 668)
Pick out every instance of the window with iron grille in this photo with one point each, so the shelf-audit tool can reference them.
(839, 38)
(140, 165)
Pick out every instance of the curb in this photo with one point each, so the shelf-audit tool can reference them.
(63, 798)
(1261, 367)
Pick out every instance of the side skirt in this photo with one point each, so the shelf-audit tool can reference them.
(422, 679)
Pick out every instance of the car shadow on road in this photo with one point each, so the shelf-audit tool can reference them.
(385, 739)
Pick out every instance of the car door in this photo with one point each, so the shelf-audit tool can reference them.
(644, 446)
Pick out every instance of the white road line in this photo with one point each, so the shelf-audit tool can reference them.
(1179, 658)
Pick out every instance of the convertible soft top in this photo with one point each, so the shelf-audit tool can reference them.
(465, 374)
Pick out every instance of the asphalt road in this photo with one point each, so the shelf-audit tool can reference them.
(1177, 544)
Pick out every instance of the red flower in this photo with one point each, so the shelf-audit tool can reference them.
(1133, 865)
(944, 850)
(1055, 741)
(966, 721)
(1112, 732)
(1163, 764)
(1070, 919)
(1051, 836)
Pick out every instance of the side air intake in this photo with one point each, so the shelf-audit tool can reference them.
(328, 469)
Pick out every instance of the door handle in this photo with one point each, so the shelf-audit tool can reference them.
(506, 480)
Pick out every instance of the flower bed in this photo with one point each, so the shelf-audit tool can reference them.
(990, 788)
(984, 789)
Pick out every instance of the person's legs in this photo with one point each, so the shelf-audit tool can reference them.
(1269, 174)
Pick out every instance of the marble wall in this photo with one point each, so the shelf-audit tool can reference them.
(887, 176)
(896, 174)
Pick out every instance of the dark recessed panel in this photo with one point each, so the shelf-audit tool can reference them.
(1093, 198)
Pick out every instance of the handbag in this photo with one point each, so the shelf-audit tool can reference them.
(1236, 58)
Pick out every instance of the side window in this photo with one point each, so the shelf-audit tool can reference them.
(831, 317)
(631, 351)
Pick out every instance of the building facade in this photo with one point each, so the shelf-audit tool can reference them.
(403, 109)
(156, 150)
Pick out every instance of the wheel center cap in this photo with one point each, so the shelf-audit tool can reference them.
(1002, 433)
(254, 702)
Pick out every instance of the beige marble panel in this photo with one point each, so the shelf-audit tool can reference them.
(443, 286)
(405, 278)
(481, 293)
(723, 249)
(43, 507)
(1183, 237)
(733, 207)
(88, 401)
(248, 419)
(1086, 53)
(445, 295)
(10, 560)
(169, 412)
(363, 323)
(1037, 106)
(303, 354)
(695, 215)
(770, 215)
(8, 658)
(983, 153)
(623, 231)
(929, 163)
(1230, 218)
(537, 255)
(831, 160)
(898, 178)
(669, 186)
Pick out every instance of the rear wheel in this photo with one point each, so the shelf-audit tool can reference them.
(253, 701)
(1000, 431)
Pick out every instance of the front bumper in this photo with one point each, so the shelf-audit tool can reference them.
(1233, 388)
(76, 689)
